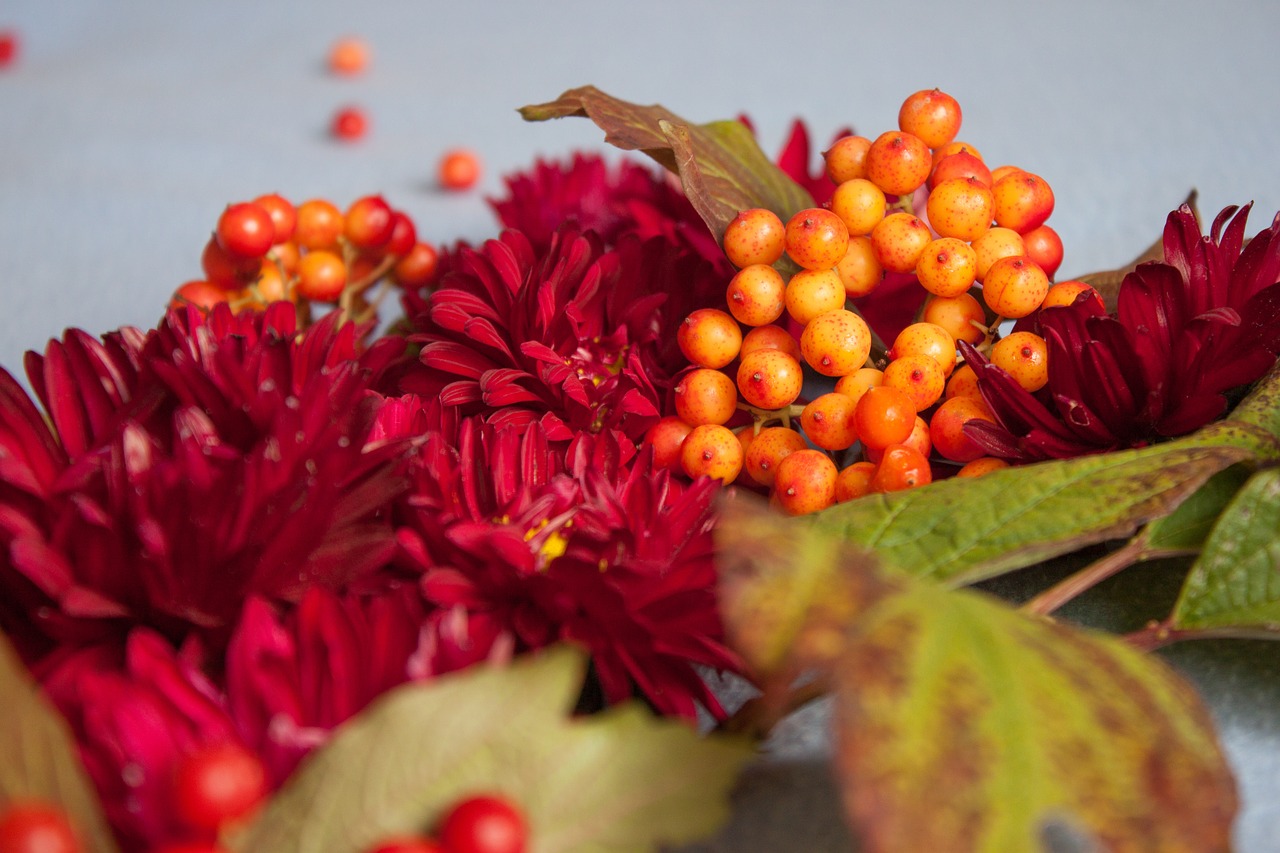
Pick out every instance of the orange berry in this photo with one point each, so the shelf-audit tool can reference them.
(270, 286)
(946, 428)
(1014, 287)
(963, 383)
(856, 384)
(932, 115)
(805, 482)
(1023, 201)
(836, 343)
(901, 467)
(713, 450)
(827, 421)
(898, 162)
(960, 207)
(319, 224)
(961, 316)
(769, 379)
(1026, 358)
(1044, 246)
(665, 437)
(746, 437)
(418, 266)
(770, 337)
(955, 146)
(349, 55)
(860, 205)
(770, 447)
(709, 337)
(754, 236)
(962, 164)
(813, 292)
(929, 340)
(705, 396)
(854, 481)
(919, 377)
(995, 244)
(202, 294)
(757, 295)
(947, 267)
(884, 416)
(846, 159)
(816, 239)
(322, 276)
(899, 241)
(458, 169)
(860, 270)
(979, 467)
(1001, 171)
(1067, 292)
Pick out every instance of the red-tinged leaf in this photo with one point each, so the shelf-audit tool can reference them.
(40, 758)
(720, 165)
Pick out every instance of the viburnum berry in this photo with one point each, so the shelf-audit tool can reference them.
(33, 826)
(932, 115)
(319, 224)
(805, 482)
(963, 383)
(962, 164)
(1024, 355)
(754, 236)
(854, 481)
(1014, 287)
(946, 427)
(705, 396)
(856, 384)
(458, 169)
(995, 244)
(929, 340)
(1068, 292)
(349, 124)
(322, 276)
(917, 376)
(404, 235)
(979, 467)
(368, 223)
(898, 162)
(860, 205)
(846, 159)
(860, 271)
(245, 230)
(284, 216)
(709, 337)
(960, 207)
(827, 421)
(955, 146)
(960, 316)
(901, 467)
(816, 238)
(810, 293)
(899, 241)
(947, 267)
(884, 416)
(770, 337)
(230, 272)
(770, 447)
(769, 379)
(484, 824)
(836, 343)
(757, 295)
(665, 437)
(1022, 201)
(348, 55)
(712, 450)
(218, 784)
(1044, 246)
(202, 294)
(418, 266)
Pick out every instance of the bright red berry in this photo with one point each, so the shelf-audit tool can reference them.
(484, 824)
(8, 47)
(350, 124)
(36, 827)
(218, 783)
(245, 230)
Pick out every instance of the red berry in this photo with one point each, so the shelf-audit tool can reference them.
(409, 844)
(245, 230)
(284, 216)
(8, 47)
(417, 267)
(218, 783)
(350, 123)
(484, 824)
(403, 235)
(459, 169)
(35, 827)
(369, 222)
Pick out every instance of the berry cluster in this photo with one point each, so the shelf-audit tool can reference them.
(267, 250)
(484, 823)
(911, 202)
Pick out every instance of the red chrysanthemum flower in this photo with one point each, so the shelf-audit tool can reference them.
(581, 338)
(1186, 333)
(185, 469)
(589, 545)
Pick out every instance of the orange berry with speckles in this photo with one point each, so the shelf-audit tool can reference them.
(962, 164)
(946, 428)
(1044, 246)
(980, 467)
(955, 146)
(836, 343)
(947, 267)
(770, 337)
(1023, 201)
(709, 337)
(854, 481)
(960, 207)
(705, 396)
(770, 447)
(846, 159)
(1000, 172)
(860, 270)
(813, 292)
(901, 467)
(757, 295)
(827, 420)
(961, 316)
(856, 384)
(754, 236)
(898, 162)
(919, 377)
(816, 239)
(1026, 358)
(1067, 292)
(963, 383)
(932, 115)
(995, 244)
(1014, 287)
(805, 482)
(899, 241)
(927, 339)
(860, 205)
(884, 416)
(769, 379)
(713, 450)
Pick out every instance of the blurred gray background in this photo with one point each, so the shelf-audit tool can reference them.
(126, 127)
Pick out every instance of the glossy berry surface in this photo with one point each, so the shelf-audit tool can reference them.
(245, 230)
(714, 451)
(217, 784)
(805, 482)
(705, 396)
(754, 236)
(458, 169)
(816, 238)
(484, 824)
(36, 827)
(349, 124)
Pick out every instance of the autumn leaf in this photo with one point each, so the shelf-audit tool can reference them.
(721, 167)
(622, 780)
(962, 725)
(40, 759)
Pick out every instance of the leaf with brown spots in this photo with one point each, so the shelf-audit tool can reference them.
(962, 725)
(720, 165)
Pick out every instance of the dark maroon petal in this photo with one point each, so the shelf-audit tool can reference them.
(455, 358)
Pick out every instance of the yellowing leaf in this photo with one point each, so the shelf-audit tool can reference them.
(962, 725)
(721, 167)
(622, 780)
(38, 757)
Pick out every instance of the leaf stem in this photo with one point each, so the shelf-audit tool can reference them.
(757, 717)
(1134, 551)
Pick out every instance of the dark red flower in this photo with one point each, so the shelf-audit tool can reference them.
(184, 469)
(1187, 332)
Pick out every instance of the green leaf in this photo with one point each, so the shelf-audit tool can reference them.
(720, 165)
(1235, 583)
(40, 759)
(622, 780)
(1261, 410)
(1186, 528)
(962, 725)
(965, 530)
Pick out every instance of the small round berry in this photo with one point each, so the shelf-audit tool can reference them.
(1024, 355)
(827, 421)
(898, 162)
(1069, 292)
(1023, 201)
(284, 216)
(919, 377)
(962, 164)
(926, 339)
(705, 396)
(769, 379)
(665, 437)
(32, 826)
(947, 267)
(754, 236)
(899, 241)
(963, 383)
(770, 337)
(1044, 246)
(860, 270)
(218, 784)
(854, 481)
(459, 169)
(711, 450)
(960, 316)
(757, 295)
(860, 205)
(709, 337)
(960, 207)
(349, 124)
(404, 235)
(348, 56)
(816, 238)
(770, 447)
(846, 159)
(322, 276)
(901, 467)
(319, 224)
(1014, 287)
(202, 294)
(486, 824)
(997, 243)
(856, 384)
(810, 293)
(418, 266)
(932, 115)
(368, 223)
(227, 271)
(245, 230)
(836, 343)
(946, 427)
(884, 416)
(9, 44)
(979, 467)
(805, 482)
